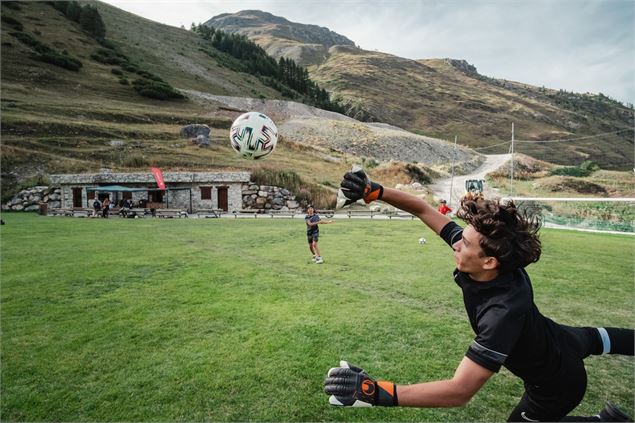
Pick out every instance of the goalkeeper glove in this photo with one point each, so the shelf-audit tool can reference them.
(348, 385)
(356, 185)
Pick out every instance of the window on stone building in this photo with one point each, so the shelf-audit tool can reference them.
(206, 193)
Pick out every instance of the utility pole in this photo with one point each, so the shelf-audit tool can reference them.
(511, 176)
(452, 179)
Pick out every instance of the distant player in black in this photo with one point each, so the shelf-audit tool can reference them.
(312, 221)
(490, 254)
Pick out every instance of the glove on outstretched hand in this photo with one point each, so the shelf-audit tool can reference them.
(356, 185)
(351, 386)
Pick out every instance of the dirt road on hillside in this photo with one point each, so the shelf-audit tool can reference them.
(441, 188)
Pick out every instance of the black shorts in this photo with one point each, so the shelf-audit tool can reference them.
(553, 399)
(312, 237)
(557, 397)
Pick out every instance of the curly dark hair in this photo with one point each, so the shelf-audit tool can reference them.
(508, 234)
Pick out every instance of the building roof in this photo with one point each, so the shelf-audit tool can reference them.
(115, 188)
(148, 178)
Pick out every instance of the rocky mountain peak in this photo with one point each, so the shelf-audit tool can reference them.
(257, 22)
(462, 65)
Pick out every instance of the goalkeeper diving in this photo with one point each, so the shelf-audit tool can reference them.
(491, 254)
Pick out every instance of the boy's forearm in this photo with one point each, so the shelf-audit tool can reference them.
(440, 393)
(468, 379)
(417, 207)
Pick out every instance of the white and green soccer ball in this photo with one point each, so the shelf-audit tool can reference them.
(253, 135)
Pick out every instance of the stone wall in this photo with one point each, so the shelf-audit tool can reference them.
(31, 198)
(265, 198)
(247, 196)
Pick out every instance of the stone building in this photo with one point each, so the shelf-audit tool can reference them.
(185, 190)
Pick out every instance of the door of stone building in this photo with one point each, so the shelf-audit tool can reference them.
(222, 198)
(77, 197)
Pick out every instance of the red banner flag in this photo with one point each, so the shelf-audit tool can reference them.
(158, 176)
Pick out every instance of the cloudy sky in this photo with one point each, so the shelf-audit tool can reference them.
(575, 45)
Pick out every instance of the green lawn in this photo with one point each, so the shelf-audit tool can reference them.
(227, 320)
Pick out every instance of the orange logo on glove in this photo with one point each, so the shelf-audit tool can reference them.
(368, 387)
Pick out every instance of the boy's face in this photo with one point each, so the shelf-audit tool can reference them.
(310, 211)
(469, 255)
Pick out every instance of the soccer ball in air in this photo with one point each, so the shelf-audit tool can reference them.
(253, 135)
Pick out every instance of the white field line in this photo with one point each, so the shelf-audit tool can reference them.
(587, 199)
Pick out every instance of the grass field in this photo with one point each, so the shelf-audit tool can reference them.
(227, 320)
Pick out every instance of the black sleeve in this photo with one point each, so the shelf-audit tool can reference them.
(497, 335)
(451, 233)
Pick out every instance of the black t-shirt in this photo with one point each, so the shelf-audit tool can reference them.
(312, 230)
(510, 331)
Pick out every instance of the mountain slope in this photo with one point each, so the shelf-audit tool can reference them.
(445, 97)
(55, 120)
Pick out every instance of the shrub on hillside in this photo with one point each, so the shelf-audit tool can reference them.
(25, 38)
(156, 89)
(150, 85)
(47, 54)
(109, 57)
(305, 192)
(130, 67)
(575, 171)
(589, 165)
(149, 75)
(571, 184)
(586, 168)
(107, 44)
(116, 71)
(11, 5)
(61, 60)
(16, 24)
(369, 163)
(418, 174)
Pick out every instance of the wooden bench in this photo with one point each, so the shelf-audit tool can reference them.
(81, 212)
(400, 214)
(60, 212)
(209, 213)
(362, 213)
(265, 212)
(243, 212)
(281, 213)
(137, 211)
(326, 213)
(170, 213)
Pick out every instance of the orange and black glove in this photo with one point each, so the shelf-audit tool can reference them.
(350, 386)
(356, 185)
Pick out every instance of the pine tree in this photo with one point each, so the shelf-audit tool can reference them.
(90, 20)
(73, 11)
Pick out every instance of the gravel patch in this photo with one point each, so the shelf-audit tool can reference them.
(300, 123)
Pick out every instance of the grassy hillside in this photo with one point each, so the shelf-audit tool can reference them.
(58, 120)
(442, 100)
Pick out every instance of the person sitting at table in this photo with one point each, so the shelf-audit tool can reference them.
(126, 205)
